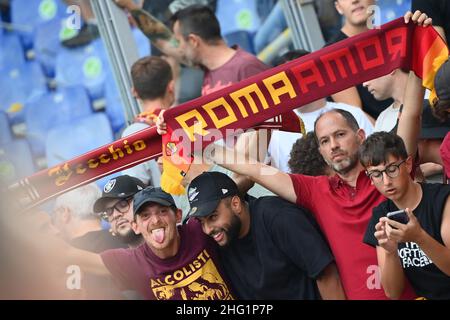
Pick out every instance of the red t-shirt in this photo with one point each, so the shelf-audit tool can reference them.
(241, 66)
(343, 214)
(192, 274)
(445, 154)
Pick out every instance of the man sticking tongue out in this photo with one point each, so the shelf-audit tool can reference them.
(158, 235)
(156, 218)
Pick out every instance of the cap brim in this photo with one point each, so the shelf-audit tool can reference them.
(204, 209)
(154, 200)
(99, 205)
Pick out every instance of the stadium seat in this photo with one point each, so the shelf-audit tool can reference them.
(47, 44)
(85, 66)
(1, 28)
(242, 38)
(62, 107)
(235, 15)
(26, 15)
(142, 42)
(5, 129)
(114, 108)
(19, 86)
(11, 52)
(391, 10)
(16, 162)
(64, 143)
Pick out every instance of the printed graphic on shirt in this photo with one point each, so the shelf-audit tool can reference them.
(210, 89)
(199, 280)
(412, 256)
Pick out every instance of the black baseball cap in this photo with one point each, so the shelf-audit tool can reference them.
(118, 188)
(206, 191)
(152, 194)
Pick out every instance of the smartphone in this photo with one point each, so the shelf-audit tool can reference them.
(399, 216)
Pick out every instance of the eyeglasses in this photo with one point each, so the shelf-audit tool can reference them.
(391, 170)
(121, 206)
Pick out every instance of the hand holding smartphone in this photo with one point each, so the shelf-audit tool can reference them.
(399, 216)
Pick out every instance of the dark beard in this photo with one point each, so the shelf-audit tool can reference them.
(233, 230)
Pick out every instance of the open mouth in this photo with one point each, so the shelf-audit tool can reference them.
(390, 191)
(158, 235)
(218, 236)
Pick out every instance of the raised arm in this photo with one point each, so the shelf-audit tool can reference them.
(269, 177)
(155, 30)
(410, 119)
(52, 249)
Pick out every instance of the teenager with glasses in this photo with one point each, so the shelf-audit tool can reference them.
(420, 249)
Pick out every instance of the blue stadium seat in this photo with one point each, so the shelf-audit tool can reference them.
(1, 29)
(391, 10)
(242, 38)
(85, 66)
(114, 108)
(16, 162)
(66, 142)
(5, 129)
(62, 107)
(47, 44)
(234, 15)
(27, 14)
(11, 52)
(88, 133)
(142, 42)
(19, 86)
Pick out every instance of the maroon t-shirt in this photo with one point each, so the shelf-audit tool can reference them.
(192, 274)
(241, 66)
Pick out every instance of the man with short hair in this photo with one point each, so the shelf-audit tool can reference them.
(418, 250)
(116, 207)
(154, 86)
(281, 142)
(206, 48)
(270, 248)
(197, 41)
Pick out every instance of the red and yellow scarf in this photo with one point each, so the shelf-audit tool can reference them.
(195, 124)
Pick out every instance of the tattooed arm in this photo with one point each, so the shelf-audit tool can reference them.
(159, 34)
(155, 30)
